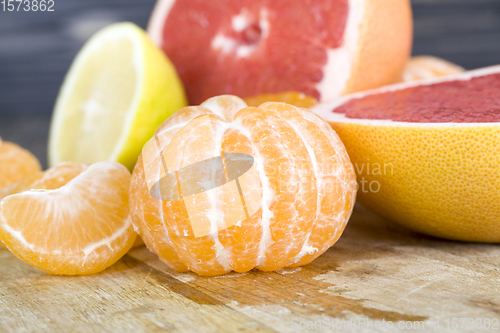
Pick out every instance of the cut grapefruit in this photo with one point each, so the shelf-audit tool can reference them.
(73, 220)
(426, 152)
(246, 48)
(224, 187)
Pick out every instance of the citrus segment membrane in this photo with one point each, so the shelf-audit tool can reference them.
(220, 175)
(244, 36)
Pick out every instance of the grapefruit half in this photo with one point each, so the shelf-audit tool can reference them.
(426, 153)
(322, 48)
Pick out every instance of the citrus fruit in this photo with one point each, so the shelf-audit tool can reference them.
(426, 152)
(48, 180)
(246, 48)
(119, 89)
(74, 220)
(224, 187)
(290, 97)
(16, 164)
(428, 67)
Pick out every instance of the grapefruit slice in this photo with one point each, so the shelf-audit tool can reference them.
(426, 152)
(321, 48)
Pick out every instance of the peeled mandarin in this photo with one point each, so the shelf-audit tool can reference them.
(225, 187)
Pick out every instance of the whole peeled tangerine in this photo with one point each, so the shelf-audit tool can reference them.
(223, 186)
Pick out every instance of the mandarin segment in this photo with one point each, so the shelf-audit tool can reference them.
(294, 98)
(76, 222)
(198, 139)
(244, 254)
(334, 176)
(148, 217)
(16, 164)
(51, 179)
(286, 163)
(286, 208)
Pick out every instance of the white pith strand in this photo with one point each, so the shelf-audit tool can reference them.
(338, 68)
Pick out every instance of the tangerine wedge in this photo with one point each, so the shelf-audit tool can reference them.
(49, 180)
(225, 187)
(73, 220)
(16, 164)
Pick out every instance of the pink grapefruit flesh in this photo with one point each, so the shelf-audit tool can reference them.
(459, 101)
(247, 48)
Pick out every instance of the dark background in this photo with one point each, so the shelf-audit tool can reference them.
(36, 49)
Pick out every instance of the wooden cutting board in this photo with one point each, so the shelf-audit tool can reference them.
(376, 273)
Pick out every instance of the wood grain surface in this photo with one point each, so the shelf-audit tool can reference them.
(376, 272)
